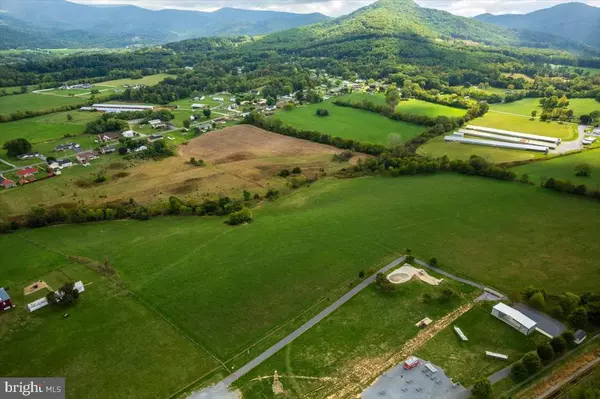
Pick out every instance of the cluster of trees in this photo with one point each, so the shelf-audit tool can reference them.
(533, 361)
(275, 125)
(155, 150)
(242, 216)
(565, 186)
(17, 147)
(40, 217)
(577, 310)
(408, 164)
(108, 122)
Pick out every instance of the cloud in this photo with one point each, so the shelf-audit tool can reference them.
(336, 8)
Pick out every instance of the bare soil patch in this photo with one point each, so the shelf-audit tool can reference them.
(244, 142)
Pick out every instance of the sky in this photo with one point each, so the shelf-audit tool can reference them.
(334, 8)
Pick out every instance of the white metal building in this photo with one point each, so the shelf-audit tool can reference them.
(121, 107)
(514, 318)
(515, 134)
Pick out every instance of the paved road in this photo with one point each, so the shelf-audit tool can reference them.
(302, 329)
(544, 322)
(573, 145)
(500, 374)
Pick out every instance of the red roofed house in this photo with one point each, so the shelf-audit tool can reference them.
(27, 172)
(5, 302)
(7, 183)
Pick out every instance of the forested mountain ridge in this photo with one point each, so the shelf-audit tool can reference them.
(406, 18)
(55, 21)
(574, 21)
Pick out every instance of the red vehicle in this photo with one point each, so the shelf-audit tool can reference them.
(5, 302)
(411, 363)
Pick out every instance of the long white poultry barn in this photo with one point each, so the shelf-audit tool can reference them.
(499, 144)
(515, 134)
(511, 139)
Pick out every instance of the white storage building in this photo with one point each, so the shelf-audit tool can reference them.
(492, 143)
(515, 134)
(514, 318)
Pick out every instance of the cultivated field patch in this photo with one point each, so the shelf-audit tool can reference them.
(150, 80)
(34, 102)
(349, 123)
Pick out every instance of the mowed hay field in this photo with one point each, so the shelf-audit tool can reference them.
(411, 106)
(110, 346)
(150, 80)
(239, 158)
(438, 147)
(358, 340)
(348, 123)
(228, 287)
(35, 102)
(580, 106)
(523, 124)
(46, 127)
(563, 168)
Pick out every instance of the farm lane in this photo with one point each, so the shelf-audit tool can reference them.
(572, 145)
(215, 392)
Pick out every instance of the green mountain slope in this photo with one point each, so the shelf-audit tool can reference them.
(574, 21)
(406, 18)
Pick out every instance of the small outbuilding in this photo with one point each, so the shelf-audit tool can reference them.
(579, 336)
(514, 318)
(5, 302)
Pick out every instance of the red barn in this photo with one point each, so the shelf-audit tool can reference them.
(5, 302)
(27, 172)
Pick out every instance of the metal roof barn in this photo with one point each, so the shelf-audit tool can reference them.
(515, 134)
(511, 139)
(499, 144)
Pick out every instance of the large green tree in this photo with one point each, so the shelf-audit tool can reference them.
(16, 147)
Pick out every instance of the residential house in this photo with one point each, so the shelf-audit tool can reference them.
(262, 101)
(108, 149)
(108, 136)
(154, 137)
(64, 163)
(30, 155)
(67, 146)
(157, 123)
(27, 172)
(198, 106)
(84, 158)
(221, 119)
(5, 302)
(128, 134)
(6, 183)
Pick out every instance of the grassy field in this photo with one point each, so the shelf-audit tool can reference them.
(411, 106)
(524, 107)
(356, 339)
(108, 334)
(348, 123)
(565, 131)
(466, 362)
(35, 102)
(204, 276)
(437, 148)
(563, 168)
(150, 80)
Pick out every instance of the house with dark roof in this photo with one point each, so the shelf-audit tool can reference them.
(5, 302)
(154, 137)
(85, 157)
(67, 146)
(108, 136)
(108, 149)
(579, 336)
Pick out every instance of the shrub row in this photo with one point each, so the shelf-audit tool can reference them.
(565, 186)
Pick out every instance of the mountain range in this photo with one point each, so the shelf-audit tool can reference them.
(574, 21)
(60, 23)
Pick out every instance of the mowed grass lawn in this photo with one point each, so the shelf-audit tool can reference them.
(35, 102)
(580, 106)
(367, 330)
(466, 362)
(150, 80)
(438, 147)
(348, 123)
(565, 131)
(109, 346)
(411, 106)
(228, 287)
(563, 168)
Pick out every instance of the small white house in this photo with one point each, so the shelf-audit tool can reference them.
(156, 123)
(197, 106)
(514, 318)
(128, 134)
(221, 99)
